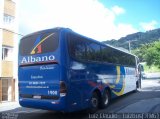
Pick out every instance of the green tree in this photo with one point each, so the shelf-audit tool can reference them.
(140, 52)
(152, 55)
(149, 53)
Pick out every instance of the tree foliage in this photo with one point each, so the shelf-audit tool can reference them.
(152, 55)
(149, 53)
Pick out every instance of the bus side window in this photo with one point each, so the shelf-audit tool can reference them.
(93, 51)
(106, 54)
(80, 49)
(77, 47)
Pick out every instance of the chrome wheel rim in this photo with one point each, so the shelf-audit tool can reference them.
(106, 100)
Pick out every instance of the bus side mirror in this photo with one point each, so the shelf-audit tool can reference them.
(141, 68)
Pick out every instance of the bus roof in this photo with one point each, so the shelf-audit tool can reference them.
(71, 31)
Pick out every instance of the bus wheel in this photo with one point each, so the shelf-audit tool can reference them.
(94, 102)
(105, 99)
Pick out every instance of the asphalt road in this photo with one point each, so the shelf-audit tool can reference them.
(146, 100)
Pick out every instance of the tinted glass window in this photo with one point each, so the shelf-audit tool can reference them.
(93, 51)
(111, 55)
(77, 47)
(107, 54)
(83, 49)
(132, 61)
(39, 43)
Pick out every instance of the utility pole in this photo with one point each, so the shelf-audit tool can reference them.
(129, 44)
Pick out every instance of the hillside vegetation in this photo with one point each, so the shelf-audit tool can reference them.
(137, 39)
(144, 45)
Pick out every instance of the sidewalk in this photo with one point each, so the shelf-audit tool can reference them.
(8, 106)
(155, 75)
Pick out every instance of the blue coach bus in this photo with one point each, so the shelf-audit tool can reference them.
(61, 70)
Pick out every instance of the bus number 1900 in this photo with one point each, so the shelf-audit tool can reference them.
(52, 92)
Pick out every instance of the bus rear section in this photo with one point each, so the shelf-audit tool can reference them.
(39, 72)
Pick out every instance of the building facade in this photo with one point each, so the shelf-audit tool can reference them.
(8, 50)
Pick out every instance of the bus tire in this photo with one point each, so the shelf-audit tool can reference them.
(137, 86)
(94, 102)
(105, 100)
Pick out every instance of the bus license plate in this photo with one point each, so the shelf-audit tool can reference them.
(37, 96)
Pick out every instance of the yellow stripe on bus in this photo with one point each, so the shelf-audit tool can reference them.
(118, 74)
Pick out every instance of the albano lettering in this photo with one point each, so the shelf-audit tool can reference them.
(31, 59)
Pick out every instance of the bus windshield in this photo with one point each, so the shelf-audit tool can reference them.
(39, 43)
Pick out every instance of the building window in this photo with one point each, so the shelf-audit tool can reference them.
(8, 19)
(7, 53)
